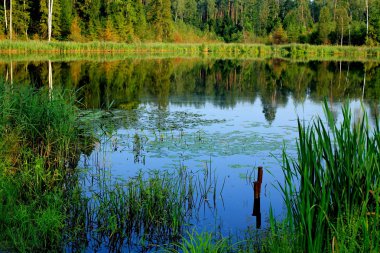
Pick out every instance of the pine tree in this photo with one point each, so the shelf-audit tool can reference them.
(159, 16)
(66, 18)
(75, 31)
(167, 22)
(325, 25)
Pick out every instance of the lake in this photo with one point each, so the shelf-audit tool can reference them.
(217, 118)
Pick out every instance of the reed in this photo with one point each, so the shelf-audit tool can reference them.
(330, 188)
(145, 211)
(39, 141)
(38, 123)
(212, 49)
(201, 242)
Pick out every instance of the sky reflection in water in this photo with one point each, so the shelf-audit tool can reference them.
(235, 142)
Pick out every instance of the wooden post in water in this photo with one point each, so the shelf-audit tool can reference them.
(256, 194)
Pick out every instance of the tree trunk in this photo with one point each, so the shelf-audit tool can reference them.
(26, 29)
(50, 18)
(50, 77)
(10, 19)
(341, 37)
(366, 5)
(335, 1)
(5, 15)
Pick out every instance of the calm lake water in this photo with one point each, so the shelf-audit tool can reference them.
(226, 116)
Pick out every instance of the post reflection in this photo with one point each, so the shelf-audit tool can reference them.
(256, 196)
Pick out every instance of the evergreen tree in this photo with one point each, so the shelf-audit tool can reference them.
(139, 21)
(75, 31)
(20, 18)
(159, 16)
(190, 16)
(298, 21)
(66, 18)
(325, 26)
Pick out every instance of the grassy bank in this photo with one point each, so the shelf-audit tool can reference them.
(40, 141)
(220, 50)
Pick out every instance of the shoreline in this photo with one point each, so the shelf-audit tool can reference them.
(208, 50)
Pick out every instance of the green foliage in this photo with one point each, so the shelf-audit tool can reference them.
(21, 18)
(279, 35)
(333, 181)
(159, 16)
(201, 242)
(325, 25)
(66, 19)
(38, 138)
(230, 19)
(44, 123)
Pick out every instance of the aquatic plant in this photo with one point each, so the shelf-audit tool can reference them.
(201, 242)
(332, 188)
(40, 137)
(38, 123)
(150, 209)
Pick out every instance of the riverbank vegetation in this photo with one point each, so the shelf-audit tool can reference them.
(45, 203)
(332, 188)
(260, 21)
(305, 52)
(39, 143)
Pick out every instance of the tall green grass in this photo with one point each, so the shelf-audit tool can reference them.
(144, 211)
(150, 209)
(328, 188)
(201, 242)
(38, 123)
(40, 139)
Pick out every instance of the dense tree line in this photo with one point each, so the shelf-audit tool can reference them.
(353, 22)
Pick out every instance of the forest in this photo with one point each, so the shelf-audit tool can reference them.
(343, 22)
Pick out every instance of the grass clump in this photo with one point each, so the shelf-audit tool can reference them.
(201, 242)
(332, 189)
(38, 123)
(39, 140)
(30, 220)
(150, 209)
